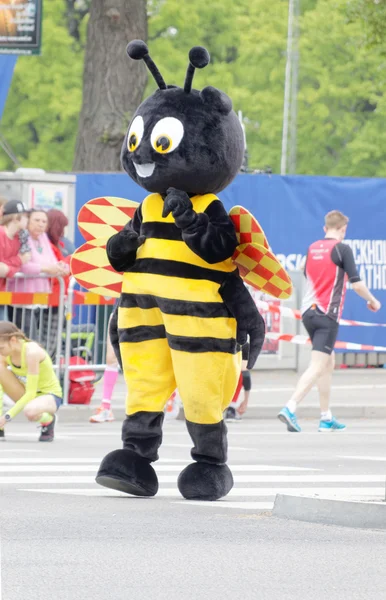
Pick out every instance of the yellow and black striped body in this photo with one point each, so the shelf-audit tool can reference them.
(174, 329)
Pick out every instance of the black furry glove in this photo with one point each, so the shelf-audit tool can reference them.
(130, 240)
(249, 321)
(180, 205)
(122, 248)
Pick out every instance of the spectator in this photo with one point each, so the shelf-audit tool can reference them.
(57, 222)
(3, 201)
(28, 378)
(43, 261)
(11, 261)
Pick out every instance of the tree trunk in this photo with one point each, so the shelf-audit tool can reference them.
(113, 84)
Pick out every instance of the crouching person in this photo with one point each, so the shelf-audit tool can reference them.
(28, 378)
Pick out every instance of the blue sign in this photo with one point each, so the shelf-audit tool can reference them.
(7, 65)
(291, 211)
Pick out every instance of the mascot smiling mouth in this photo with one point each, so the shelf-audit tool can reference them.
(145, 170)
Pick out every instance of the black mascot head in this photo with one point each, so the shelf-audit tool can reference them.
(182, 138)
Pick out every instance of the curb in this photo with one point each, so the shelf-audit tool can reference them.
(364, 515)
(81, 413)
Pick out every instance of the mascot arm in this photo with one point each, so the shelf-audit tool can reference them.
(211, 234)
(122, 247)
(249, 321)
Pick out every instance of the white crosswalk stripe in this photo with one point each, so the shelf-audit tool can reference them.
(255, 486)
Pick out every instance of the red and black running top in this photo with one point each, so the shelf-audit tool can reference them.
(329, 265)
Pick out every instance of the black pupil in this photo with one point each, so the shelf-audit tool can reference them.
(164, 142)
(133, 140)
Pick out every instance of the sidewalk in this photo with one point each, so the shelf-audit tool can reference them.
(356, 393)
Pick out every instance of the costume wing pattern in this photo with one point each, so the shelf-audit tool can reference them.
(257, 264)
(101, 218)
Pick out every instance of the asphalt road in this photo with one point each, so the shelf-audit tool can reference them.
(63, 537)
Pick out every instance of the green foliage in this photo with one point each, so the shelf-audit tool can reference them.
(341, 102)
(247, 41)
(41, 115)
(342, 106)
(372, 15)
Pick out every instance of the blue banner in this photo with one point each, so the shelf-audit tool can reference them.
(291, 211)
(7, 65)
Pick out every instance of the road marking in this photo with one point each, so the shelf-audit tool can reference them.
(36, 461)
(66, 468)
(373, 458)
(35, 479)
(18, 450)
(361, 386)
(370, 492)
(225, 504)
(33, 435)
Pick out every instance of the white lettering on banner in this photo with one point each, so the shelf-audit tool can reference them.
(369, 255)
(292, 262)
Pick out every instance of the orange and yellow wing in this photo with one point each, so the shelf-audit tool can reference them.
(258, 266)
(98, 220)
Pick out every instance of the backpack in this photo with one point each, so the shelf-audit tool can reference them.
(81, 387)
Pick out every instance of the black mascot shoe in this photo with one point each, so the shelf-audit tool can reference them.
(203, 481)
(127, 472)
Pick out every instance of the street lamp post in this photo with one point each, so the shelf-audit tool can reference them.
(288, 155)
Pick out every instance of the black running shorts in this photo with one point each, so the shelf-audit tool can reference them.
(322, 330)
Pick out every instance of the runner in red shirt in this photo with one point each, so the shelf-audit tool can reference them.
(329, 266)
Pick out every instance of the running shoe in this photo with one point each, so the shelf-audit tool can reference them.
(47, 431)
(289, 419)
(102, 415)
(332, 425)
(2, 434)
(231, 415)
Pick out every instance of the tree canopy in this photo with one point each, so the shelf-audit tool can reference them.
(341, 101)
(372, 15)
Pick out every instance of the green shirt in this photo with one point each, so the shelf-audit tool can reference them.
(48, 383)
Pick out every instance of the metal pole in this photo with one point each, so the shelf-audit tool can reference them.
(287, 89)
(294, 92)
(67, 354)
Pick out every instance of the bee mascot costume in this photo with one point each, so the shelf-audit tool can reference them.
(184, 311)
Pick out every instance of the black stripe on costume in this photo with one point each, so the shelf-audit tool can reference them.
(161, 231)
(142, 333)
(203, 310)
(175, 268)
(137, 301)
(201, 344)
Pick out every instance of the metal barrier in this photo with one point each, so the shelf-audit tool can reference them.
(40, 315)
(86, 332)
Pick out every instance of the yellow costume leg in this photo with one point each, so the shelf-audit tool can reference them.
(207, 368)
(146, 359)
(148, 371)
(206, 382)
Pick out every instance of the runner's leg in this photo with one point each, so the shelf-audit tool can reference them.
(324, 386)
(104, 412)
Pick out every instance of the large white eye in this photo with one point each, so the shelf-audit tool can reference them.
(166, 135)
(135, 134)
